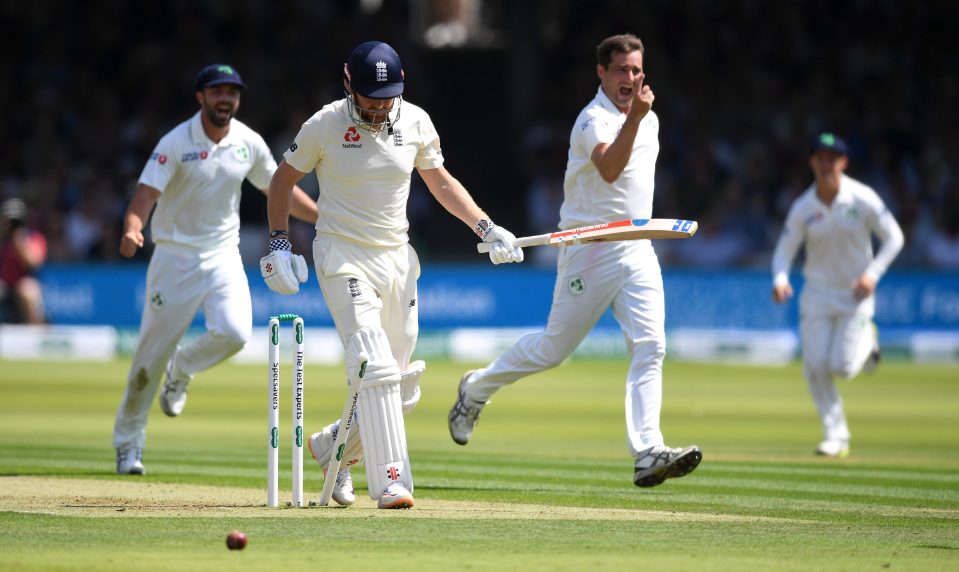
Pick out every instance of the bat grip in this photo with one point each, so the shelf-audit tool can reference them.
(522, 242)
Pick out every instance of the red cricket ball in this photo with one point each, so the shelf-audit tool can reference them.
(236, 540)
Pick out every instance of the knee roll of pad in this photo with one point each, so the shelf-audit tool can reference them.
(369, 346)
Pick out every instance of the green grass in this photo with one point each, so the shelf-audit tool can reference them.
(544, 485)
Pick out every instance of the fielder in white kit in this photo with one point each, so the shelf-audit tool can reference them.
(193, 178)
(364, 148)
(835, 218)
(609, 176)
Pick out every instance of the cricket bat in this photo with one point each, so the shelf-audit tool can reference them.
(630, 229)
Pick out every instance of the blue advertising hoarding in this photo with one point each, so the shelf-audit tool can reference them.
(457, 296)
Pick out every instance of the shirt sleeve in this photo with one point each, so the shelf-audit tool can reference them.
(264, 165)
(884, 225)
(429, 155)
(595, 130)
(306, 151)
(791, 238)
(161, 166)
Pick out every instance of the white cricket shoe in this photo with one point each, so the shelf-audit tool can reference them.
(395, 495)
(321, 447)
(659, 463)
(173, 394)
(464, 414)
(130, 461)
(838, 448)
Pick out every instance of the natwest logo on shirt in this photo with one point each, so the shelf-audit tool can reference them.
(194, 156)
(351, 137)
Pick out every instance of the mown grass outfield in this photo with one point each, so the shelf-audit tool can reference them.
(545, 484)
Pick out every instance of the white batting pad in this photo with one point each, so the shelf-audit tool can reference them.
(380, 417)
(410, 395)
(410, 385)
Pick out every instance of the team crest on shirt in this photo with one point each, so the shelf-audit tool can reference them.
(241, 153)
(576, 285)
(157, 300)
(852, 213)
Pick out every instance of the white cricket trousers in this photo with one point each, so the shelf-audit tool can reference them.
(837, 337)
(179, 283)
(590, 279)
(367, 286)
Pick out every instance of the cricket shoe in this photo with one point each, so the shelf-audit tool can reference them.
(464, 414)
(661, 462)
(321, 447)
(837, 448)
(173, 394)
(130, 461)
(395, 495)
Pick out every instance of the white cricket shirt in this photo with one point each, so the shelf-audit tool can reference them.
(199, 207)
(838, 237)
(364, 178)
(588, 198)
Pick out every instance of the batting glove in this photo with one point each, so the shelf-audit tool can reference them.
(281, 269)
(502, 245)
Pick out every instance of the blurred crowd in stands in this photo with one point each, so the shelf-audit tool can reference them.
(741, 87)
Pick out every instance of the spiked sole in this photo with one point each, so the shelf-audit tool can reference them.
(680, 466)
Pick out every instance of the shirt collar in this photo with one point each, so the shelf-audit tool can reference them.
(200, 137)
(845, 193)
(605, 102)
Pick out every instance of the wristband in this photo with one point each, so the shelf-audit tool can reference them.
(280, 244)
(483, 226)
(276, 233)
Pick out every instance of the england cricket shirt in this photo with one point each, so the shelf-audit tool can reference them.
(364, 178)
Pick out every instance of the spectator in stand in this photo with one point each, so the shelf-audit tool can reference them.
(23, 251)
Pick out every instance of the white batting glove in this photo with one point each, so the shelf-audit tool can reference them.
(502, 245)
(281, 269)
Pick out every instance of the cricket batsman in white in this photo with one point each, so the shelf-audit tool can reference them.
(609, 176)
(193, 179)
(835, 218)
(364, 148)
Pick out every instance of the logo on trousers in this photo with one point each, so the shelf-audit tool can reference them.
(576, 285)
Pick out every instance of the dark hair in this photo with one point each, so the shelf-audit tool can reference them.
(623, 43)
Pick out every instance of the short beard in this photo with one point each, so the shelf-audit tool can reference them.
(214, 118)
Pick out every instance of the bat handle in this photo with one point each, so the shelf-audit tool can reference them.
(522, 242)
